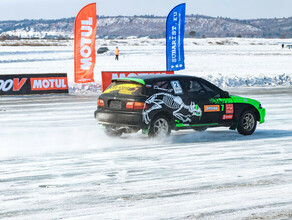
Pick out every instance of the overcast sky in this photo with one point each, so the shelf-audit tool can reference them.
(54, 9)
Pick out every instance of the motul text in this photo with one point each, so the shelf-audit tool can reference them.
(50, 83)
(85, 51)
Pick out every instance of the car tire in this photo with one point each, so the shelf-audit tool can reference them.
(160, 127)
(112, 131)
(200, 129)
(247, 123)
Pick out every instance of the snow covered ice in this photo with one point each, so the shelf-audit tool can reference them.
(56, 163)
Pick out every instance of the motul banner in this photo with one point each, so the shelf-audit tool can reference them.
(84, 44)
(25, 84)
(107, 77)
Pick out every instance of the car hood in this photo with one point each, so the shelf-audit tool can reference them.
(253, 102)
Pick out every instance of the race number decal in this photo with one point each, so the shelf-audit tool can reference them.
(176, 87)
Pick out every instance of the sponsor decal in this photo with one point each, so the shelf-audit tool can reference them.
(107, 77)
(49, 83)
(14, 84)
(227, 117)
(211, 108)
(128, 88)
(220, 101)
(229, 108)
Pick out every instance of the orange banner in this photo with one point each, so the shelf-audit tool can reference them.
(84, 44)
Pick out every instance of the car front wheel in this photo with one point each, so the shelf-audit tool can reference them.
(160, 127)
(247, 123)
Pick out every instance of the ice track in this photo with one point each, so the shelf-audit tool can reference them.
(56, 163)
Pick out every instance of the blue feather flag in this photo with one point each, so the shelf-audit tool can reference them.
(175, 29)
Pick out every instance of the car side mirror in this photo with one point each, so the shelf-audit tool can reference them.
(225, 94)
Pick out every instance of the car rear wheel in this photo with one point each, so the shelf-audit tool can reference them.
(160, 127)
(247, 123)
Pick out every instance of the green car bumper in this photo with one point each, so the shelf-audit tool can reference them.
(262, 113)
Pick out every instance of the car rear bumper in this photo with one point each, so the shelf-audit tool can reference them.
(128, 119)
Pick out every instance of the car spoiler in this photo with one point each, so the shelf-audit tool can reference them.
(141, 81)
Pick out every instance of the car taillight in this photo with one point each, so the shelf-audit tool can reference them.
(136, 105)
(100, 103)
(139, 105)
(130, 105)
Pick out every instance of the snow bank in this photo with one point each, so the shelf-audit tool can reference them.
(236, 81)
(87, 88)
(219, 80)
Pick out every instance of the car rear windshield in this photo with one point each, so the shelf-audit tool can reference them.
(126, 88)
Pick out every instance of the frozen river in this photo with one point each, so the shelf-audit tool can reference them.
(56, 163)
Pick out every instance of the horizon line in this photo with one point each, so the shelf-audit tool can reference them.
(148, 16)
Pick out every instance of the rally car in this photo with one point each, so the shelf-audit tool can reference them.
(159, 104)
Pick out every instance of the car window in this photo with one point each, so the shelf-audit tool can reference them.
(162, 86)
(194, 86)
(210, 93)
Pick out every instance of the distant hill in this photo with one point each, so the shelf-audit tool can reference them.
(125, 26)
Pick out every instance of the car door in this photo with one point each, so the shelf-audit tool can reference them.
(169, 97)
(184, 110)
(200, 94)
(163, 100)
(213, 111)
(218, 97)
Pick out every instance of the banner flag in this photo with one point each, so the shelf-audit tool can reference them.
(175, 29)
(84, 44)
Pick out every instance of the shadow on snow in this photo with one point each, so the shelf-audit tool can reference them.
(226, 136)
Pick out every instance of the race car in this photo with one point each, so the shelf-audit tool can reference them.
(159, 104)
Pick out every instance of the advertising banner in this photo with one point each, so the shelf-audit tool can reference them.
(107, 77)
(175, 29)
(84, 44)
(25, 84)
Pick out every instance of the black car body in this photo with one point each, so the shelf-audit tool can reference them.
(159, 104)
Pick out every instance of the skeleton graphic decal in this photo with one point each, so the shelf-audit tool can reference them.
(174, 102)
